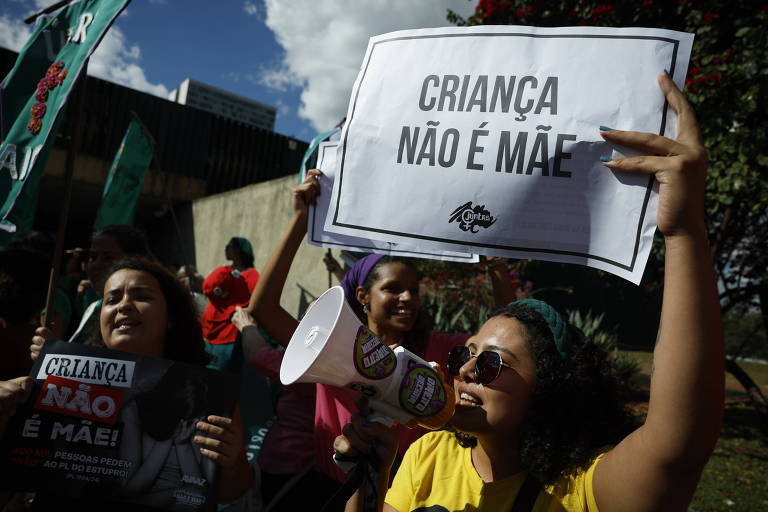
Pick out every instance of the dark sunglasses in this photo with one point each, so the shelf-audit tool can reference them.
(487, 367)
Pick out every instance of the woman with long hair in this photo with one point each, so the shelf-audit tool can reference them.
(146, 311)
(538, 423)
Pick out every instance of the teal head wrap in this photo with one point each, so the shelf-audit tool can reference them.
(555, 322)
(244, 245)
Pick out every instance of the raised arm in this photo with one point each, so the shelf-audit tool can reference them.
(498, 271)
(658, 466)
(265, 299)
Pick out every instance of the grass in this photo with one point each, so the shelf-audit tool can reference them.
(758, 371)
(735, 478)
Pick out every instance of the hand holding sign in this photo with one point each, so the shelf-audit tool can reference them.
(681, 173)
(42, 334)
(12, 393)
(305, 194)
(223, 440)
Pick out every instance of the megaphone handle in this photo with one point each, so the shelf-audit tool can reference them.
(380, 418)
(345, 462)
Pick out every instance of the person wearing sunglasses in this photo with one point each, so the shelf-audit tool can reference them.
(539, 423)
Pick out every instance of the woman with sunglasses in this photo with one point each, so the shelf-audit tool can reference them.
(538, 425)
(384, 293)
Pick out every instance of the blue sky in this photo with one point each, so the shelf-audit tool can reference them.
(300, 56)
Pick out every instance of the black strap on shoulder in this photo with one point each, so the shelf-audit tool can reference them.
(526, 496)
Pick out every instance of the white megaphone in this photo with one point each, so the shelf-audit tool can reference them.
(331, 346)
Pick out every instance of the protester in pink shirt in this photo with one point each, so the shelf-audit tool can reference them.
(385, 293)
(286, 458)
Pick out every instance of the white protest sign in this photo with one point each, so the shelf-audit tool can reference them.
(485, 139)
(327, 162)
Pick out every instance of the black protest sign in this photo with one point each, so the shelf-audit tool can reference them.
(106, 425)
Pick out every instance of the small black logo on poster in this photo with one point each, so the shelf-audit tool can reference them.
(470, 217)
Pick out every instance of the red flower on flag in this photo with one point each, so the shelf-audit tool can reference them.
(38, 110)
(50, 81)
(602, 9)
(34, 125)
(55, 68)
(54, 77)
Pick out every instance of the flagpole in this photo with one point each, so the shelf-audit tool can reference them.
(58, 5)
(78, 100)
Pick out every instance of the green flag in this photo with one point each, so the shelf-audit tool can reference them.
(121, 191)
(311, 149)
(33, 96)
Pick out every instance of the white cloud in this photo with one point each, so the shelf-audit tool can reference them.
(281, 78)
(115, 59)
(13, 33)
(324, 44)
(250, 8)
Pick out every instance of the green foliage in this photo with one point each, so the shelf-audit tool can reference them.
(624, 366)
(734, 479)
(457, 297)
(745, 334)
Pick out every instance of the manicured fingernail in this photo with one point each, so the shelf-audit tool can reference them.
(605, 158)
(667, 72)
(605, 128)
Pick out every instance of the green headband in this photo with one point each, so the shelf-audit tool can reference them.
(245, 246)
(555, 322)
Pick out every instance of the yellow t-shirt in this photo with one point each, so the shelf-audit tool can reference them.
(437, 475)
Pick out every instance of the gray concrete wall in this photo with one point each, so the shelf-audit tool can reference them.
(259, 213)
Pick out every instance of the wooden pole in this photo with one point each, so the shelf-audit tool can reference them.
(76, 107)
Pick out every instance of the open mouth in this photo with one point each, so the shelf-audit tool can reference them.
(125, 325)
(469, 399)
(404, 312)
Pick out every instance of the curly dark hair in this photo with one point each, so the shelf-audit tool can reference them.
(184, 338)
(414, 340)
(576, 406)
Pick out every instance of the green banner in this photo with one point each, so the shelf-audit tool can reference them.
(34, 94)
(312, 148)
(121, 191)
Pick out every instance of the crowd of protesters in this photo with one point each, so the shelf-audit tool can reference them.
(538, 422)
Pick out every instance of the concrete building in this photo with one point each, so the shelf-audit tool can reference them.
(226, 104)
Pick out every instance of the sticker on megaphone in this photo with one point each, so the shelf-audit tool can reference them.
(331, 346)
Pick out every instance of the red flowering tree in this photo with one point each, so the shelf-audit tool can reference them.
(727, 84)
